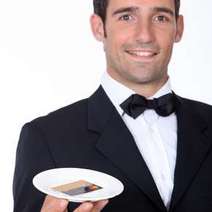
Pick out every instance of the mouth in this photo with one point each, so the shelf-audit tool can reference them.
(142, 55)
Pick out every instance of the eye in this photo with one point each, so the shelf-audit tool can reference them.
(161, 19)
(126, 17)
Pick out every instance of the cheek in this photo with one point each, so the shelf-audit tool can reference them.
(113, 46)
(119, 36)
(165, 37)
(166, 42)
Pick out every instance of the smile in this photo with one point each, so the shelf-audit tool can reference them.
(142, 54)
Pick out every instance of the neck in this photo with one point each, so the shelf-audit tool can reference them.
(146, 89)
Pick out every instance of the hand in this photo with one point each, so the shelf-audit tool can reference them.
(92, 206)
(52, 204)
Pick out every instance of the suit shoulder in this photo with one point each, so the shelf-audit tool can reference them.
(196, 103)
(72, 113)
(198, 107)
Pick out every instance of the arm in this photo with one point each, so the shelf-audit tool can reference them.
(32, 157)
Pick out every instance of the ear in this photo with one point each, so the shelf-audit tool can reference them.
(180, 28)
(97, 27)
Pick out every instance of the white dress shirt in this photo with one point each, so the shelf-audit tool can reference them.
(154, 135)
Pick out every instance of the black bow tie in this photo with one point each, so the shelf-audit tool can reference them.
(137, 104)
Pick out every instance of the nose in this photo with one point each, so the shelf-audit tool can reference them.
(144, 32)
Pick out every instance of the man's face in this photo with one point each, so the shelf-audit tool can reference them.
(138, 40)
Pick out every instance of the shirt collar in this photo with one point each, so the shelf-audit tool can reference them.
(118, 92)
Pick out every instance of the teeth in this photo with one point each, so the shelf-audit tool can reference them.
(141, 53)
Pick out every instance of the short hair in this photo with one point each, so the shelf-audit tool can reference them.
(100, 8)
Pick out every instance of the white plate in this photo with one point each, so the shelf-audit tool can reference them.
(45, 181)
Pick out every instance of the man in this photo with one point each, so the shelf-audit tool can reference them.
(161, 153)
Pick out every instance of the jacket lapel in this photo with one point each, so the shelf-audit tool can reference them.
(192, 149)
(117, 144)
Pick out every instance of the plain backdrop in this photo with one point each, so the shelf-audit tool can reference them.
(49, 59)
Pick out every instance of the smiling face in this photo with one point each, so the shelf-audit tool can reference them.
(139, 39)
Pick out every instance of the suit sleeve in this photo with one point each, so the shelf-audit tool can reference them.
(32, 157)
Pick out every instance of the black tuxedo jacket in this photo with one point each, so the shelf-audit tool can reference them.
(91, 134)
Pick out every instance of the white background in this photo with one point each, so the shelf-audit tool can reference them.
(48, 59)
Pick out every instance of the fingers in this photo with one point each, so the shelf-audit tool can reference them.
(98, 206)
(52, 204)
(92, 207)
(84, 207)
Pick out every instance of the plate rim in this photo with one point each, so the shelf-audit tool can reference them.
(75, 198)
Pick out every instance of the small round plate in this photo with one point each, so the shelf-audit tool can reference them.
(46, 182)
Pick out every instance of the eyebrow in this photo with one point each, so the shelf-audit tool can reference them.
(134, 9)
(164, 9)
(124, 10)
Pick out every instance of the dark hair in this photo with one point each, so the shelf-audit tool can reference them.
(100, 8)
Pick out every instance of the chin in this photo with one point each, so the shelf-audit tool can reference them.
(145, 79)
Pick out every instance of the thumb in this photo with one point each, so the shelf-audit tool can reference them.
(52, 204)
